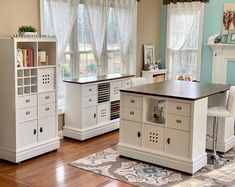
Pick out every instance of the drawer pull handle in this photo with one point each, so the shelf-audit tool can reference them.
(34, 131)
(138, 134)
(90, 100)
(132, 101)
(27, 100)
(127, 83)
(27, 113)
(179, 108)
(178, 121)
(168, 140)
(47, 97)
(94, 115)
(90, 90)
(47, 108)
(41, 129)
(132, 113)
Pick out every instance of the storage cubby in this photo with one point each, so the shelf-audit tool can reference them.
(50, 49)
(20, 90)
(155, 111)
(27, 72)
(20, 82)
(27, 90)
(26, 81)
(46, 79)
(20, 73)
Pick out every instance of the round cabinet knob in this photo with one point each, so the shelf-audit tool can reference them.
(179, 108)
(47, 97)
(27, 100)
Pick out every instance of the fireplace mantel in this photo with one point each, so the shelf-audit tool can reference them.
(222, 54)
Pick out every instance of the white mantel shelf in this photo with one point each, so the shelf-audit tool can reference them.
(221, 46)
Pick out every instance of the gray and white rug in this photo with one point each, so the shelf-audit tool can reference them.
(109, 164)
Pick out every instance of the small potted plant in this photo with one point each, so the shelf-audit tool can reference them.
(27, 31)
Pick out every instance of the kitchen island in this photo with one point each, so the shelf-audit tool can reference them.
(165, 123)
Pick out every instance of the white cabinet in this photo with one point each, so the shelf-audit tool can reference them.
(28, 100)
(92, 105)
(155, 76)
(163, 130)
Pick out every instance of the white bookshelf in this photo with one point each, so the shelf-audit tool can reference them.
(28, 99)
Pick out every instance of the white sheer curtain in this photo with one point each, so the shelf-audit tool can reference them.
(97, 11)
(183, 38)
(126, 11)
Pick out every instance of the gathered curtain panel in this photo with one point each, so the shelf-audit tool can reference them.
(183, 38)
(165, 2)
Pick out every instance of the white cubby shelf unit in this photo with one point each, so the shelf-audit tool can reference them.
(28, 99)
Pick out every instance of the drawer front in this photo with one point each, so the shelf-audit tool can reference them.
(45, 98)
(132, 101)
(132, 114)
(179, 108)
(178, 122)
(130, 133)
(46, 110)
(90, 90)
(27, 114)
(126, 84)
(26, 133)
(114, 90)
(27, 101)
(90, 117)
(46, 128)
(153, 137)
(177, 142)
(90, 100)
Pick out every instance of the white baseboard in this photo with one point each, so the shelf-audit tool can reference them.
(60, 134)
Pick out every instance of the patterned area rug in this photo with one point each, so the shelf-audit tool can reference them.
(109, 164)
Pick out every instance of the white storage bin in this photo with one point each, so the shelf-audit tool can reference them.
(46, 79)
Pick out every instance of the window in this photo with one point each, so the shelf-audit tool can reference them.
(184, 40)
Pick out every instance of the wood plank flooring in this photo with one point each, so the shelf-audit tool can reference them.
(52, 169)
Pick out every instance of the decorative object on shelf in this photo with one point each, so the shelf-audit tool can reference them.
(149, 57)
(158, 114)
(229, 23)
(184, 78)
(42, 58)
(27, 31)
(212, 38)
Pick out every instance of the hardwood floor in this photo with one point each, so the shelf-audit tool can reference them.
(52, 169)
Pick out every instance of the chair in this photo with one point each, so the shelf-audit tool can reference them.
(221, 111)
(138, 81)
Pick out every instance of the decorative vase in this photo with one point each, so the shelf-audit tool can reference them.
(28, 34)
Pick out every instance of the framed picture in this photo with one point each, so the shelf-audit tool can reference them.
(149, 56)
(231, 37)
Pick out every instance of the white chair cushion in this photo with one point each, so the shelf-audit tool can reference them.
(219, 111)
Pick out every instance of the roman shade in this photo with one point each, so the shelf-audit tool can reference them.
(182, 1)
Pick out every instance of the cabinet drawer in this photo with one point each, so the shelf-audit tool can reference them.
(46, 110)
(132, 114)
(178, 122)
(90, 100)
(132, 101)
(90, 90)
(45, 98)
(27, 114)
(153, 137)
(177, 142)
(130, 133)
(46, 128)
(26, 133)
(126, 84)
(179, 108)
(27, 101)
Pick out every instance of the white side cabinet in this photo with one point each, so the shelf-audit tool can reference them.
(155, 75)
(92, 105)
(28, 98)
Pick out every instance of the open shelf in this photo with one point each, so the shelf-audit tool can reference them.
(50, 51)
(154, 111)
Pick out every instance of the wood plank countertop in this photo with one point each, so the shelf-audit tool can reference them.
(101, 78)
(179, 89)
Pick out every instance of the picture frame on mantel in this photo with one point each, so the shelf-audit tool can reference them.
(231, 37)
(149, 57)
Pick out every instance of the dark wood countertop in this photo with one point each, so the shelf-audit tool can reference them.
(179, 89)
(93, 79)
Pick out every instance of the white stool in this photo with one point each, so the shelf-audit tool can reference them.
(221, 111)
(138, 81)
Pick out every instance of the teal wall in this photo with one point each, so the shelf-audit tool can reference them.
(213, 18)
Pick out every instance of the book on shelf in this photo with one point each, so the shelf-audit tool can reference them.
(25, 57)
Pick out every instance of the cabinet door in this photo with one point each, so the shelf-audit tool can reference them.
(90, 116)
(46, 128)
(131, 133)
(26, 133)
(114, 90)
(153, 137)
(177, 142)
(103, 113)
